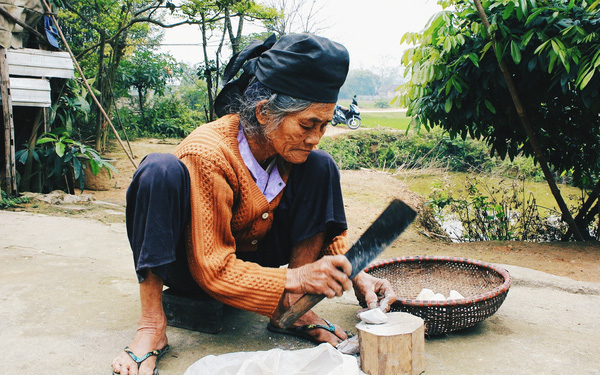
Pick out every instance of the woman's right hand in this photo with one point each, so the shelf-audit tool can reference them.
(328, 276)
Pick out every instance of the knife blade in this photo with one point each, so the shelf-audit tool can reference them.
(384, 230)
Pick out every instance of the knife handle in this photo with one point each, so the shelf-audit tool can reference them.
(302, 305)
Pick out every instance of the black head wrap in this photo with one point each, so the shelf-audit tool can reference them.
(303, 66)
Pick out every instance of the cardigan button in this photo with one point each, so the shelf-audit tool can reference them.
(265, 215)
(254, 242)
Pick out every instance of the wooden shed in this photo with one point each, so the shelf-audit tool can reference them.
(25, 85)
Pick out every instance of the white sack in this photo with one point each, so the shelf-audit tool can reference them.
(321, 360)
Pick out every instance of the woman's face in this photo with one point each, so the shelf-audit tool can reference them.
(299, 133)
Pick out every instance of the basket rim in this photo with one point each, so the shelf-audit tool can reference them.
(502, 289)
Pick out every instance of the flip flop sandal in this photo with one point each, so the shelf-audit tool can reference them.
(158, 353)
(301, 330)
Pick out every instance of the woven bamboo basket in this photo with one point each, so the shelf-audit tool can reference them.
(483, 285)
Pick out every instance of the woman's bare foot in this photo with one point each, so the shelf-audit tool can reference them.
(151, 333)
(319, 334)
(150, 336)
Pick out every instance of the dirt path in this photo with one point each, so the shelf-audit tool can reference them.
(366, 193)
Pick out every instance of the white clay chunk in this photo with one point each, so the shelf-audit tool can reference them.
(426, 294)
(455, 295)
(373, 316)
(429, 295)
(349, 346)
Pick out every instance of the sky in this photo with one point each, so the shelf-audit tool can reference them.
(370, 29)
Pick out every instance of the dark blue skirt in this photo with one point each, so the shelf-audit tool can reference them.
(158, 209)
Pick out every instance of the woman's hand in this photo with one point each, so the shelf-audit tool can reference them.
(328, 276)
(375, 292)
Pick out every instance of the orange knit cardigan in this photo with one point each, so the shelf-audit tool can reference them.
(230, 214)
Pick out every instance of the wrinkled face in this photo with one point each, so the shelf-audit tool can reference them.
(299, 133)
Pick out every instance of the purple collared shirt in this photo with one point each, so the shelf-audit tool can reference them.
(268, 181)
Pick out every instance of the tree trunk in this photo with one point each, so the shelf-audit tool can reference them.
(98, 144)
(237, 37)
(539, 154)
(207, 73)
(585, 214)
(141, 103)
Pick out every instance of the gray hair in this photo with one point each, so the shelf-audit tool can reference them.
(276, 108)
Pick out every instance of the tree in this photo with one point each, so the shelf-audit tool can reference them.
(215, 19)
(294, 16)
(147, 71)
(551, 49)
(102, 32)
(192, 90)
(241, 11)
(360, 82)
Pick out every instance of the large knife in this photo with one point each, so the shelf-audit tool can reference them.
(384, 230)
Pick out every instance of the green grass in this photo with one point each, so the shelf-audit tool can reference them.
(371, 104)
(384, 119)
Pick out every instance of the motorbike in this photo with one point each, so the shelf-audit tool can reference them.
(347, 116)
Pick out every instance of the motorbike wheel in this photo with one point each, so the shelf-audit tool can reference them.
(333, 122)
(354, 123)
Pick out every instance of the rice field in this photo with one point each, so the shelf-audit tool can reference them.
(393, 119)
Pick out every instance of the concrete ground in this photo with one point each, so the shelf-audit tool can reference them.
(69, 303)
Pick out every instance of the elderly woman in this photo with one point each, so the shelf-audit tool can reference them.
(246, 194)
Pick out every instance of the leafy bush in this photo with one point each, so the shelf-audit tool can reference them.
(376, 149)
(63, 160)
(172, 118)
(479, 212)
(382, 103)
(381, 149)
(168, 117)
(8, 202)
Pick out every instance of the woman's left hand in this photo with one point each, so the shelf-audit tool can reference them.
(375, 292)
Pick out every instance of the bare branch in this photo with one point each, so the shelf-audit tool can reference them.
(296, 16)
(310, 23)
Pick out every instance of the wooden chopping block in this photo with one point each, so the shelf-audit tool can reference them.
(395, 347)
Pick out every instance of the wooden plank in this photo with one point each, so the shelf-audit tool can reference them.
(40, 58)
(39, 63)
(9, 129)
(39, 84)
(30, 92)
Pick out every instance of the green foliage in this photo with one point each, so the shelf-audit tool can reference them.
(98, 32)
(71, 107)
(480, 212)
(193, 93)
(9, 202)
(382, 149)
(172, 118)
(64, 160)
(169, 117)
(101, 34)
(381, 103)
(176, 114)
(146, 71)
(552, 47)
